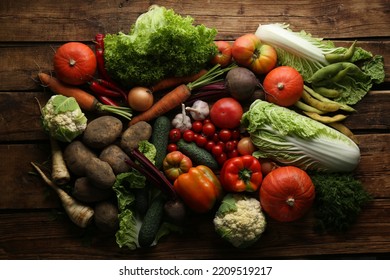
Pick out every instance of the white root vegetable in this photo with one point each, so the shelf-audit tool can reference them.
(78, 213)
(59, 173)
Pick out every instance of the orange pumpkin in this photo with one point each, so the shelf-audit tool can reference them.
(287, 193)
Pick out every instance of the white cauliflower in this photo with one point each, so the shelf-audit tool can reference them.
(62, 118)
(240, 220)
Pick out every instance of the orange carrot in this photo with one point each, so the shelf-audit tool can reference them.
(85, 100)
(168, 102)
(176, 81)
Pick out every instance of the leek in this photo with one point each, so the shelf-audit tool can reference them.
(293, 139)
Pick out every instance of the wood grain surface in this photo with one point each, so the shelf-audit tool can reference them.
(32, 221)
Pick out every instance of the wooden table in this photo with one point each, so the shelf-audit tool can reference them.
(31, 223)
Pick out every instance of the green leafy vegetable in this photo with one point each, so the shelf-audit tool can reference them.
(292, 139)
(339, 200)
(161, 43)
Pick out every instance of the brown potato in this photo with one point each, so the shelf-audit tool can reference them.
(84, 191)
(100, 174)
(134, 134)
(77, 156)
(106, 216)
(102, 132)
(115, 157)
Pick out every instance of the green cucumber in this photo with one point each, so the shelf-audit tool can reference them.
(160, 138)
(198, 155)
(151, 222)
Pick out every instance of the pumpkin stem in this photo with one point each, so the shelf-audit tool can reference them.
(290, 201)
(280, 86)
(72, 62)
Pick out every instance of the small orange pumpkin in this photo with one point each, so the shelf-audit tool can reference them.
(287, 193)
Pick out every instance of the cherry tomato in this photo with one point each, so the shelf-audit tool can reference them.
(217, 150)
(224, 135)
(171, 147)
(208, 129)
(236, 134)
(230, 146)
(174, 135)
(188, 135)
(197, 126)
(201, 140)
(209, 145)
(233, 153)
(221, 158)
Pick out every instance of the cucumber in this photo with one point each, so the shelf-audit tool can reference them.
(151, 222)
(198, 155)
(160, 138)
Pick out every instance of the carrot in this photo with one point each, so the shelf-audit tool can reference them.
(176, 81)
(85, 100)
(180, 94)
(168, 102)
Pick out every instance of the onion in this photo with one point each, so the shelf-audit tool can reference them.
(140, 98)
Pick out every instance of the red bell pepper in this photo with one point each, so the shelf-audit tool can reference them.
(241, 174)
(199, 188)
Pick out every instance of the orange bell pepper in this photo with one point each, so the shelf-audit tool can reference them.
(199, 188)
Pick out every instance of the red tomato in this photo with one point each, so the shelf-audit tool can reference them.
(174, 135)
(236, 134)
(197, 126)
(233, 153)
(230, 146)
(226, 113)
(188, 135)
(209, 145)
(250, 52)
(217, 150)
(245, 146)
(224, 55)
(208, 129)
(201, 141)
(171, 147)
(74, 63)
(224, 135)
(221, 158)
(283, 86)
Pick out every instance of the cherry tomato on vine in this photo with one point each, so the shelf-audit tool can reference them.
(174, 135)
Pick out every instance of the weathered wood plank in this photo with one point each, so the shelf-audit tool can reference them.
(41, 236)
(45, 20)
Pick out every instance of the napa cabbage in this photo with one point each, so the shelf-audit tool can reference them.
(289, 138)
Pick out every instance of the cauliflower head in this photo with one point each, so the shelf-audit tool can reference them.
(62, 118)
(239, 220)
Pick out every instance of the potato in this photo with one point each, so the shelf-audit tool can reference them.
(102, 132)
(77, 156)
(115, 157)
(134, 134)
(100, 174)
(84, 191)
(106, 216)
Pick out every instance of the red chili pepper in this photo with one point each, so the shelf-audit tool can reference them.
(107, 100)
(98, 89)
(111, 85)
(99, 52)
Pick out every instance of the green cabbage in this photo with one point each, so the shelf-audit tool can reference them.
(161, 43)
(293, 139)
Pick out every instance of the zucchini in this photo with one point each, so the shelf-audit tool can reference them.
(151, 222)
(160, 138)
(198, 155)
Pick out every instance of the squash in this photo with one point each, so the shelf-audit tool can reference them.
(287, 193)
